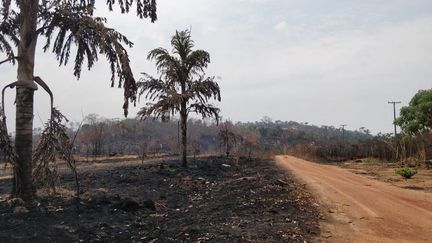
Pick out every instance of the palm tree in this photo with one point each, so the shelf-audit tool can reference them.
(62, 24)
(182, 86)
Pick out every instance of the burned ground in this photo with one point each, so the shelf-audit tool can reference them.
(214, 200)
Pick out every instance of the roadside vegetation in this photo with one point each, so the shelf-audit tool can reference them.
(406, 172)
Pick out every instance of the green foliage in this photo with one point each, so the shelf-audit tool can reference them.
(406, 172)
(416, 118)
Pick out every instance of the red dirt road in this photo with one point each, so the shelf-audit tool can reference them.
(359, 209)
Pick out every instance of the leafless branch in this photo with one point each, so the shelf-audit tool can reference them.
(10, 59)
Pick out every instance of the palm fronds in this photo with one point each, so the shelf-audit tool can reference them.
(54, 144)
(182, 80)
(8, 33)
(91, 37)
(69, 23)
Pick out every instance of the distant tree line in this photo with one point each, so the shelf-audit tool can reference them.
(98, 136)
(103, 137)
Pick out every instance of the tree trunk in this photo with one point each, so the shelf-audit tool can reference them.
(183, 121)
(23, 181)
(227, 149)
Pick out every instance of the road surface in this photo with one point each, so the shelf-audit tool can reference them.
(359, 209)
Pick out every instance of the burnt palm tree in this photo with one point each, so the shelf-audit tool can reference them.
(63, 25)
(182, 86)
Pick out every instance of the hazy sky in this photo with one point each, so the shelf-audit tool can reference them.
(326, 62)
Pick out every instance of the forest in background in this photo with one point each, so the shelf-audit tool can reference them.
(97, 136)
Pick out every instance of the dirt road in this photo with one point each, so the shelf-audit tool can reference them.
(359, 209)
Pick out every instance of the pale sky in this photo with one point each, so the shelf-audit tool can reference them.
(326, 62)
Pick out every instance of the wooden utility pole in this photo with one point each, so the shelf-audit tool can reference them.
(394, 114)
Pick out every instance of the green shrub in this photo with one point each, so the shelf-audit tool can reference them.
(406, 172)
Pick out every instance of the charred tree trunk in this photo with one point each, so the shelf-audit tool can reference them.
(183, 125)
(23, 181)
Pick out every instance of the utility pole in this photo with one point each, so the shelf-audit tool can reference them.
(343, 132)
(394, 114)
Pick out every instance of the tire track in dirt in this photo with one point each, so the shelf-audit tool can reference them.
(359, 209)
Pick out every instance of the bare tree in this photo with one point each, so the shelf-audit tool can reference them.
(62, 24)
(182, 86)
(251, 142)
(94, 132)
(228, 138)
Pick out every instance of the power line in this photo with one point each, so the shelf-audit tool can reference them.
(394, 114)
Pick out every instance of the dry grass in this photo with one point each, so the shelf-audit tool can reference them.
(386, 172)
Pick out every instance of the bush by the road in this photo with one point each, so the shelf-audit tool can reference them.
(406, 172)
